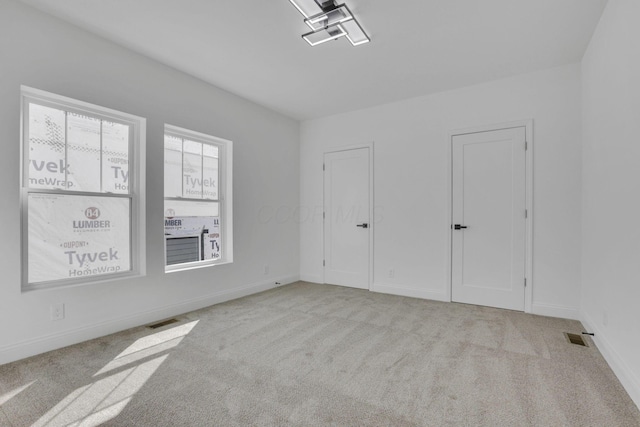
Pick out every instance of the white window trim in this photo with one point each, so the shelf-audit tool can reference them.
(137, 187)
(225, 189)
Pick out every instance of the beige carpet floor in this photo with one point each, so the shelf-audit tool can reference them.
(317, 355)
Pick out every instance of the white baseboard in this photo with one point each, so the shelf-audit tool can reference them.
(629, 381)
(46, 343)
(410, 292)
(311, 278)
(553, 310)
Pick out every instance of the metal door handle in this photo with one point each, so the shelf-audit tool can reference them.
(458, 226)
(363, 225)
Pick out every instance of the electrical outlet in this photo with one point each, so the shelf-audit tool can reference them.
(57, 311)
(392, 273)
(266, 269)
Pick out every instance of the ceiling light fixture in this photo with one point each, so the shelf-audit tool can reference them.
(329, 21)
(323, 35)
(326, 19)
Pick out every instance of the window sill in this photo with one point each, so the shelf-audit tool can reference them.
(74, 284)
(177, 268)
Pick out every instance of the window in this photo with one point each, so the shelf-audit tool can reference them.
(198, 203)
(82, 210)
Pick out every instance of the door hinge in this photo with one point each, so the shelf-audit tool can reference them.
(525, 282)
(323, 215)
(323, 263)
(526, 145)
(323, 166)
(526, 213)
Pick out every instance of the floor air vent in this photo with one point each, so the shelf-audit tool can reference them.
(575, 339)
(161, 324)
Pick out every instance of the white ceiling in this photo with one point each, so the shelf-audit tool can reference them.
(253, 48)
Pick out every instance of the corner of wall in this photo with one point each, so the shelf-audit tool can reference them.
(620, 368)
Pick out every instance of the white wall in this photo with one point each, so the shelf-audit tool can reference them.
(411, 182)
(611, 190)
(42, 52)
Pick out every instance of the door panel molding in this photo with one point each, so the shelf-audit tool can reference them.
(372, 219)
(528, 125)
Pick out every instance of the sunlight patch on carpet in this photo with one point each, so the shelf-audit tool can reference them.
(13, 393)
(102, 400)
(98, 402)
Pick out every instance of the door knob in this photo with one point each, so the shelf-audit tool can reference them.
(458, 226)
(363, 225)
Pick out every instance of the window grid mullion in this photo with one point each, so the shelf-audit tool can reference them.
(66, 148)
(101, 159)
(78, 193)
(182, 170)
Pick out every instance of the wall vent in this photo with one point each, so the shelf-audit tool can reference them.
(161, 324)
(576, 339)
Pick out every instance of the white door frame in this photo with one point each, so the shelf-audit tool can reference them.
(528, 125)
(329, 150)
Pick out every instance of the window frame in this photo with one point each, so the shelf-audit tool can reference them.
(135, 195)
(224, 200)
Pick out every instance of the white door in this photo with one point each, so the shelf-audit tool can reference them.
(347, 227)
(488, 218)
